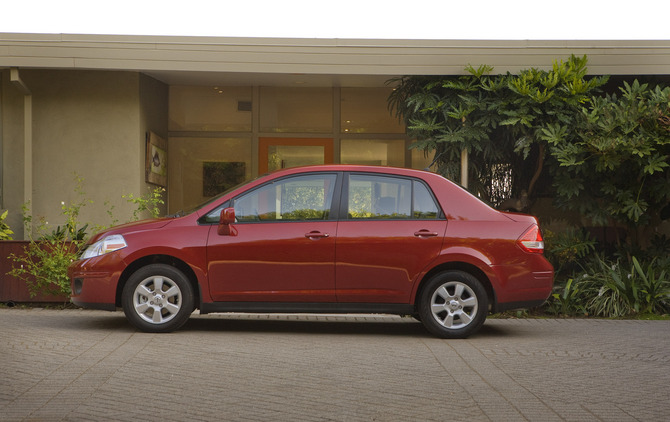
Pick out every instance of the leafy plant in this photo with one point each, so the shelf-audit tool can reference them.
(5, 232)
(43, 266)
(504, 122)
(564, 249)
(568, 300)
(606, 156)
(616, 290)
(150, 202)
(44, 261)
(654, 287)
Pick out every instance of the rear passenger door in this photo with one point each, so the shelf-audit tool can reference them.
(390, 229)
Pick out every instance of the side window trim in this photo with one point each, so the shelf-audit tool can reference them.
(344, 203)
(440, 212)
(332, 213)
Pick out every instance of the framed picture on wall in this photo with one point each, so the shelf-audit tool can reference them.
(156, 160)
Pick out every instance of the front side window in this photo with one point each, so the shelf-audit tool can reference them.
(386, 197)
(297, 198)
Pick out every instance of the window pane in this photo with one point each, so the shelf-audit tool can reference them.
(420, 159)
(199, 168)
(376, 152)
(424, 204)
(379, 197)
(365, 110)
(297, 198)
(287, 156)
(296, 110)
(210, 108)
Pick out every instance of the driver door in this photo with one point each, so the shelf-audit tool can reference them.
(283, 247)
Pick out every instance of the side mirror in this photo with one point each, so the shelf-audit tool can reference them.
(225, 220)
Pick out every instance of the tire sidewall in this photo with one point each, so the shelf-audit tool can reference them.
(163, 270)
(434, 283)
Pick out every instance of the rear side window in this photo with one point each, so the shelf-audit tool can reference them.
(294, 199)
(387, 197)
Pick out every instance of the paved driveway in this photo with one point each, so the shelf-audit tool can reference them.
(78, 365)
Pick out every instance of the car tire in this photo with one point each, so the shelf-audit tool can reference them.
(453, 304)
(158, 298)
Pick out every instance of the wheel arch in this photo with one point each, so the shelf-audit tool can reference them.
(460, 266)
(158, 259)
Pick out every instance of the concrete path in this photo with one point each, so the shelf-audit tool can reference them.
(77, 365)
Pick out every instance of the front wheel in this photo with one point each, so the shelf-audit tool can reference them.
(453, 304)
(157, 298)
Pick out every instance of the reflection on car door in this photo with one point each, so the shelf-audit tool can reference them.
(391, 228)
(284, 246)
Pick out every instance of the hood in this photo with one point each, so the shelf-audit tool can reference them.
(135, 226)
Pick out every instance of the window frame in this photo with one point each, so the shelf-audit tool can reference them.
(344, 198)
(332, 212)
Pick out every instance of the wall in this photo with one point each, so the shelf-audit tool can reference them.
(12, 153)
(154, 98)
(84, 122)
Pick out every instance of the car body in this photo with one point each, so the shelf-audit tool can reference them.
(322, 239)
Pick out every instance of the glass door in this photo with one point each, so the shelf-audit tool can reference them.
(280, 153)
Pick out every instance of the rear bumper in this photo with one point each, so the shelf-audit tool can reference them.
(521, 288)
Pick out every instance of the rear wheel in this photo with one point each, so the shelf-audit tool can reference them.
(453, 304)
(157, 298)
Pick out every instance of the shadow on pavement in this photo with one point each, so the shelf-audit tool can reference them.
(409, 328)
(392, 328)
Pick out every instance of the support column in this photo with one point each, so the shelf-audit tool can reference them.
(15, 78)
(464, 168)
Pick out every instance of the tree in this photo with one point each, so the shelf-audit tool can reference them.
(501, 120)
(606, 155)
(614, 160)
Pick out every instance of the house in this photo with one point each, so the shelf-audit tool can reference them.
(200, 114)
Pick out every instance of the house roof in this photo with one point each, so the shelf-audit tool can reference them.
(181, 60)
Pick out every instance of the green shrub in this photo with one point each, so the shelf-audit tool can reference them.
(5, 232)
(44, 261)
(567, 300)
(617, 289)
(150, 202)
(566, 248)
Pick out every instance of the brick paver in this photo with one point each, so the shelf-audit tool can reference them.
(78, 365)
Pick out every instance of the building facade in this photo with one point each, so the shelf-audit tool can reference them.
(203, 114)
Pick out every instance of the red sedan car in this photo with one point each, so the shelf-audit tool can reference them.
(322, 239)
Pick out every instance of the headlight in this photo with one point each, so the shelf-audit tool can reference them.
(105, 245)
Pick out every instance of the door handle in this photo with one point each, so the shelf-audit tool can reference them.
(316, 235)
(425, 233)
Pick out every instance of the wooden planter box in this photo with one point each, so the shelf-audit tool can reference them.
(11, 288)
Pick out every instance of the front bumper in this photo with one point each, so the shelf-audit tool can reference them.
(94, 282)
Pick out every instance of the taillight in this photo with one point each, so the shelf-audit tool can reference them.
(531, 241)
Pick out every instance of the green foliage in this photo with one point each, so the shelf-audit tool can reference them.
(614, 163)
(606, 156)
(44, 261)
(43, 266)
(5, 232)
(566, 248)
(150, 202)
(503, 121)
(567, 300)
(616, 289)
